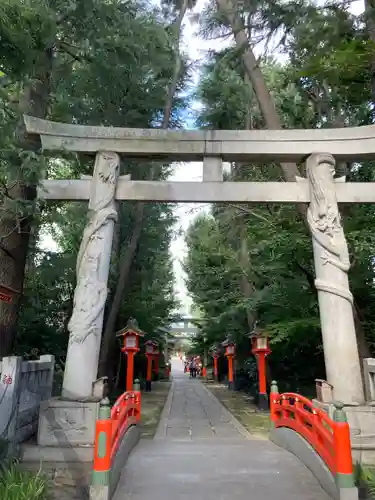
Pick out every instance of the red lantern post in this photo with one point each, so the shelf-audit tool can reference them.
(167, 371)
(230, 350)
(150, 349)
(156, 365)
(261, 349)
(215, 354)
(131, 336)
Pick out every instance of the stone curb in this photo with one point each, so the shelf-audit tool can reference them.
(161, 430)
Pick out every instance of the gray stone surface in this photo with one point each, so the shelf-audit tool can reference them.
(204, 452)
(296, 444)
(23, 386)
(67, 423)
(204, 192)
(369, 378)
(33, 453)
(191, 145)
(130, 439)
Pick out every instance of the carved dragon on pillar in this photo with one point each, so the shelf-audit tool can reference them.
(91, 292)
(325, 222)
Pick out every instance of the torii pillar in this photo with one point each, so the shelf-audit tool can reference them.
(332, 263)
(93, 261)
(70, 420)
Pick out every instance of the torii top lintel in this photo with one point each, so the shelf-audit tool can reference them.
(354, 143)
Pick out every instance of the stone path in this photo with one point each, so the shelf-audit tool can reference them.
(201, 450)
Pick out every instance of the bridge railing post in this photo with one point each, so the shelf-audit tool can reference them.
(274, 398)
(103, 445)
(137, 385)
(343, 452)
(138, 404)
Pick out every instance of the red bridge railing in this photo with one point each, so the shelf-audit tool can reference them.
(330, 438)
(125, 412)
(111, 426)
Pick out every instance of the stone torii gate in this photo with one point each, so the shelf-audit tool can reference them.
(320, 190)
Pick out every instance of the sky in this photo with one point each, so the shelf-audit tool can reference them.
(196, 48)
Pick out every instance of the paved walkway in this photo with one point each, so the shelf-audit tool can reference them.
(200, 450)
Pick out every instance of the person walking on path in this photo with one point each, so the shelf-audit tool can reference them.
(193, 368)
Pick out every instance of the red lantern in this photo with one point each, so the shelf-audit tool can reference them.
(131, 336)
(260, 344)
(156, 359)
(261, 349)
(216, 355)
(150, 347)
(230, 350)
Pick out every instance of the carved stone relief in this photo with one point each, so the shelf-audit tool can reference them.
(91, 290)
(325, 222)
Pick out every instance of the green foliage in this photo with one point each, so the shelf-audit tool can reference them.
(19, 485)
(364, 479)
(152, 299)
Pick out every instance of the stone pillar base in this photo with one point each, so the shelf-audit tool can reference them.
(263, 404)
(361, 419)
(67, 423)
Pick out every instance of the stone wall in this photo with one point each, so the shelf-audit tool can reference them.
(23, 386)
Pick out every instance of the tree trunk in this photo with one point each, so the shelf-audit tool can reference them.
(246, 287)
(14, 229)
(109, 340)
(370, 25)
(177, 68)
(264, 97)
